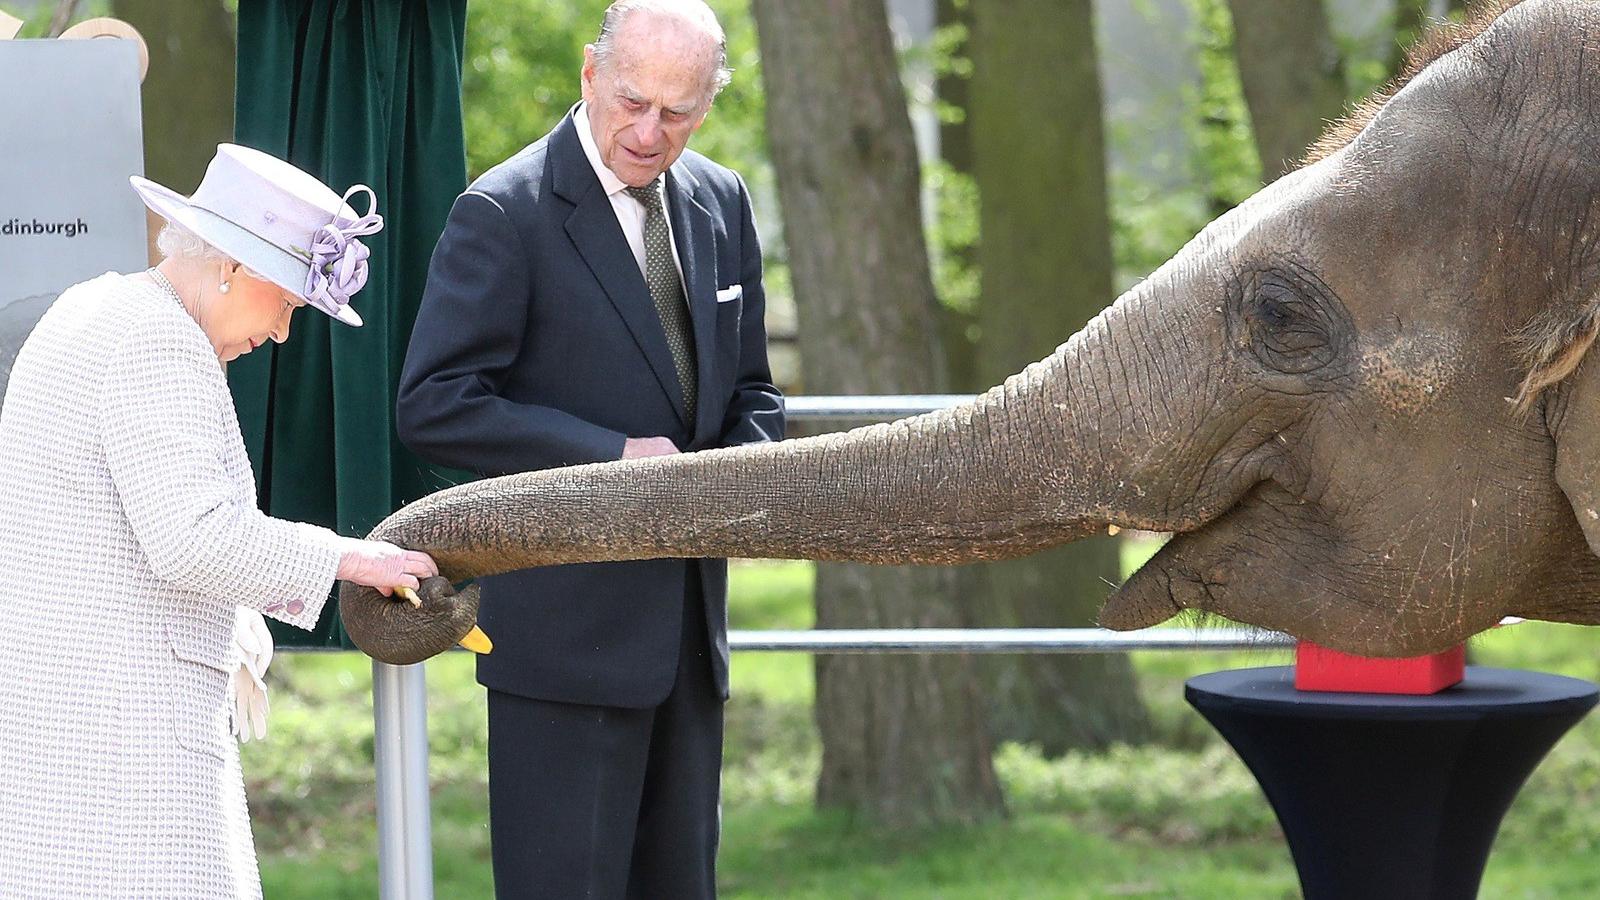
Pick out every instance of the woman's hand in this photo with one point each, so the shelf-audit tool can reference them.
(381, 565)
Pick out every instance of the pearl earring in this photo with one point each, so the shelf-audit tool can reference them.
(224, 287)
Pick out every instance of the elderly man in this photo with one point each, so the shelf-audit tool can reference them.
(598, 297)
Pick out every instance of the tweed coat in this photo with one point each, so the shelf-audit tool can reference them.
(128, 533)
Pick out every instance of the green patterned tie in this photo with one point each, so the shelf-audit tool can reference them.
(666, 289)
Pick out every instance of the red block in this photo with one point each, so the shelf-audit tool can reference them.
(1320, 669)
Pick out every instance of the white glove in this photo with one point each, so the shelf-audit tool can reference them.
(254, 643)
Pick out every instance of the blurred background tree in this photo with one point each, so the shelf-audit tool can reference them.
(1292, 74)
(188, 93)
(1037, 146)
(904, 738)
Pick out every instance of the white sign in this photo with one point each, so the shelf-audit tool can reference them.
(69, 138)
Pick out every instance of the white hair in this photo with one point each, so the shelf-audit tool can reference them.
(177, 242)
(694, 11)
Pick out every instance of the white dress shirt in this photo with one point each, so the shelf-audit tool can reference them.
(630, 212)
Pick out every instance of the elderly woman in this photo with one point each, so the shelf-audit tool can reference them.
(129, 534)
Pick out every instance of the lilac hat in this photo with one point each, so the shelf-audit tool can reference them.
(278, 221)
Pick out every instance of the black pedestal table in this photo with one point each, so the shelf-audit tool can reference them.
(1391, 796)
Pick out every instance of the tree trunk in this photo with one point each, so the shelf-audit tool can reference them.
(953, 87)
(188, 92)
(1292, 75)
(956, 325)
(1045, 257)
(903, 736)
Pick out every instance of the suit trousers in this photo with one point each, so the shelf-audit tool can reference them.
(608, 802)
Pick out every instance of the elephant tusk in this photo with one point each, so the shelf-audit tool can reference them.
(477, 641)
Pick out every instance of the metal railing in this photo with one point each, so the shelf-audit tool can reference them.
(400, 700)
(1005, 640)
(868, 409)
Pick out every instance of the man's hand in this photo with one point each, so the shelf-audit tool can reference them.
(634, 448)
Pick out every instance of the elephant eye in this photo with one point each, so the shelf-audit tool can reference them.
(1289, 323)
(1273, 312)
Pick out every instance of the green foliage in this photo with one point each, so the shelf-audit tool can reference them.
(952, 226)
(1372, 58)
(950, 60)
(1225, 151)
(953, 236)
(36, 18)
(521, 72)
(1151, 223)
(1363, 72)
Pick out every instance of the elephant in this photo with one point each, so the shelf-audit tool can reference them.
(1359, 401)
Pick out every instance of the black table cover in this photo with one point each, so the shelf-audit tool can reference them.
(1384, 795)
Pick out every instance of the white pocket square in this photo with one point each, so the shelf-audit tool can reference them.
(730, 293)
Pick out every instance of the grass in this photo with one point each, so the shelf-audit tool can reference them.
(1181, 818)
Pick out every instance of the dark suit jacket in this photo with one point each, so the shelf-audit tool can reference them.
(538, 345)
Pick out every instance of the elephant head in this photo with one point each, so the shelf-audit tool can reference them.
(1359, 401)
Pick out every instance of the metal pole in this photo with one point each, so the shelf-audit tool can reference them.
(870, 408)
(400, 751)
(1006, 640)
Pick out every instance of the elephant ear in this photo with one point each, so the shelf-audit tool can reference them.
(1578, 449)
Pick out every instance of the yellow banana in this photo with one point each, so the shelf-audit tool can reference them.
(477, 641)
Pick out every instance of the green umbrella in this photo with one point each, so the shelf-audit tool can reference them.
(353, 91)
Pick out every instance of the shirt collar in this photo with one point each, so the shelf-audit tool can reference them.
(608, 179)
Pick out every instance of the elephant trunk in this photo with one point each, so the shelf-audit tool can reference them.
(1052, 455)
(1049, 456)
